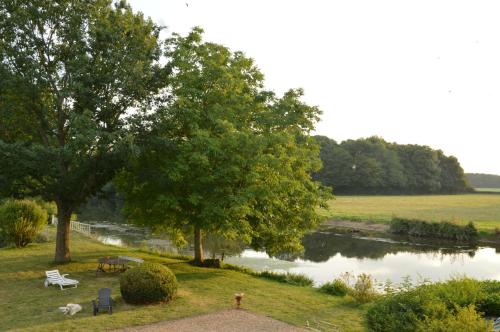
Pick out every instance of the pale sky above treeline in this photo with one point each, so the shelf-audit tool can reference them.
(420, 72)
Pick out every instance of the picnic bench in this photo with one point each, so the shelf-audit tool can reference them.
(116, 264)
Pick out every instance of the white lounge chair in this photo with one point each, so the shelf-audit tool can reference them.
(55, 278)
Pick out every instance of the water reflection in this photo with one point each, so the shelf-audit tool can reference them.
(320, 246)
(327, 255)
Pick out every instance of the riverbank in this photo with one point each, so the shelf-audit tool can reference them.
(482, 209)
(370, 228)
(28, 305)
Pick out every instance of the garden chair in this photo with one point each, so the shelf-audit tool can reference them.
(103, 301)
(55, 278)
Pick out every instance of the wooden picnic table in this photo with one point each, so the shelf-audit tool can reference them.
(115, 264)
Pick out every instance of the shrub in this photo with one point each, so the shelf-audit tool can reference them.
(289, 278)
(148, 283)
(490, 305)
(464, 319)
(440, 230)
(21, 221)
(364, 288)
(337, 287)
(441, 306)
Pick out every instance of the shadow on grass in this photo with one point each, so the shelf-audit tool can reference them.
(202, 275)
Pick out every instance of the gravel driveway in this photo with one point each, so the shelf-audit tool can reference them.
(223, 321)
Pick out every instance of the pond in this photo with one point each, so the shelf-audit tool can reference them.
(327, 255)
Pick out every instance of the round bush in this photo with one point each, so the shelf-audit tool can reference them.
(148, 283)
(21, 221)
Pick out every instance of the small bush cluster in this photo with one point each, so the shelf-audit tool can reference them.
(364, 288)
(337, 287)
(148, 283)
(288, 278)
(21, 221)
(456, 305)
(361, 287)
(439, 230)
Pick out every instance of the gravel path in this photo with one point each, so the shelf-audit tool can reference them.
(237, 320)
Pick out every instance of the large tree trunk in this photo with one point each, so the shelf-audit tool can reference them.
(198, 248)
(63, 232)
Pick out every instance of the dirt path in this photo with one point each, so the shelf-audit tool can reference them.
(232, 320)
(364, 226)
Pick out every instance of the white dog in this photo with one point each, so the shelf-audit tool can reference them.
(71, 308)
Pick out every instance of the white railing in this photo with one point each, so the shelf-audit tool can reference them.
(77, 227)
(81, 227)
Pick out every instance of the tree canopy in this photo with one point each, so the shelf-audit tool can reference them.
(223, 156)
(374, 166)
(72, 70)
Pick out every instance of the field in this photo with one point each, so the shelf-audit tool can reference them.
(482, 209)
(489, 190)
(27, 305)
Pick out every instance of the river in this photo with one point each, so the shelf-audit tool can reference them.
(327, 255)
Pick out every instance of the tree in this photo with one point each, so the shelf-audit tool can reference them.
(374, 166)
(453, 179)
(337, 170)
(74, 70)
(223, 156)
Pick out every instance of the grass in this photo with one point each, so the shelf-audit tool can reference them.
(27, 305)
(488, 190)
(482, 209)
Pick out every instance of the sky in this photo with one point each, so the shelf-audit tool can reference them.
(413, 72)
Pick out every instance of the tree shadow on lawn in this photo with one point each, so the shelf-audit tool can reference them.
(202, 275)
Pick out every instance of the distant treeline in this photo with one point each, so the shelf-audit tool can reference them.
(374, 166)
(106, 206)
(478, 180)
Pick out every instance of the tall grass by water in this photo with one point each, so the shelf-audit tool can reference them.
(437, 230)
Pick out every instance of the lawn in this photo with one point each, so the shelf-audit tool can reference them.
(482, 209)
(27, 305)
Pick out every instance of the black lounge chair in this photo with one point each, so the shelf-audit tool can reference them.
(104, 301)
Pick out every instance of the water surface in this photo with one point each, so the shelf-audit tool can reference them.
(327, 255)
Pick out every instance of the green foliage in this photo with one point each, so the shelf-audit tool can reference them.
(363, 290)
(374, 166)
(148, 283)
(439, 230)
(21, 221)
(464, 319)
(337, 287)
(225, 156)
(490, 304)
(107, 205)
(72, 72)
(288, 278)
(440, 306)
(49, 207)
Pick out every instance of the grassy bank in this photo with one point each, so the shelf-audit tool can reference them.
(27, 305)
(483, 210)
